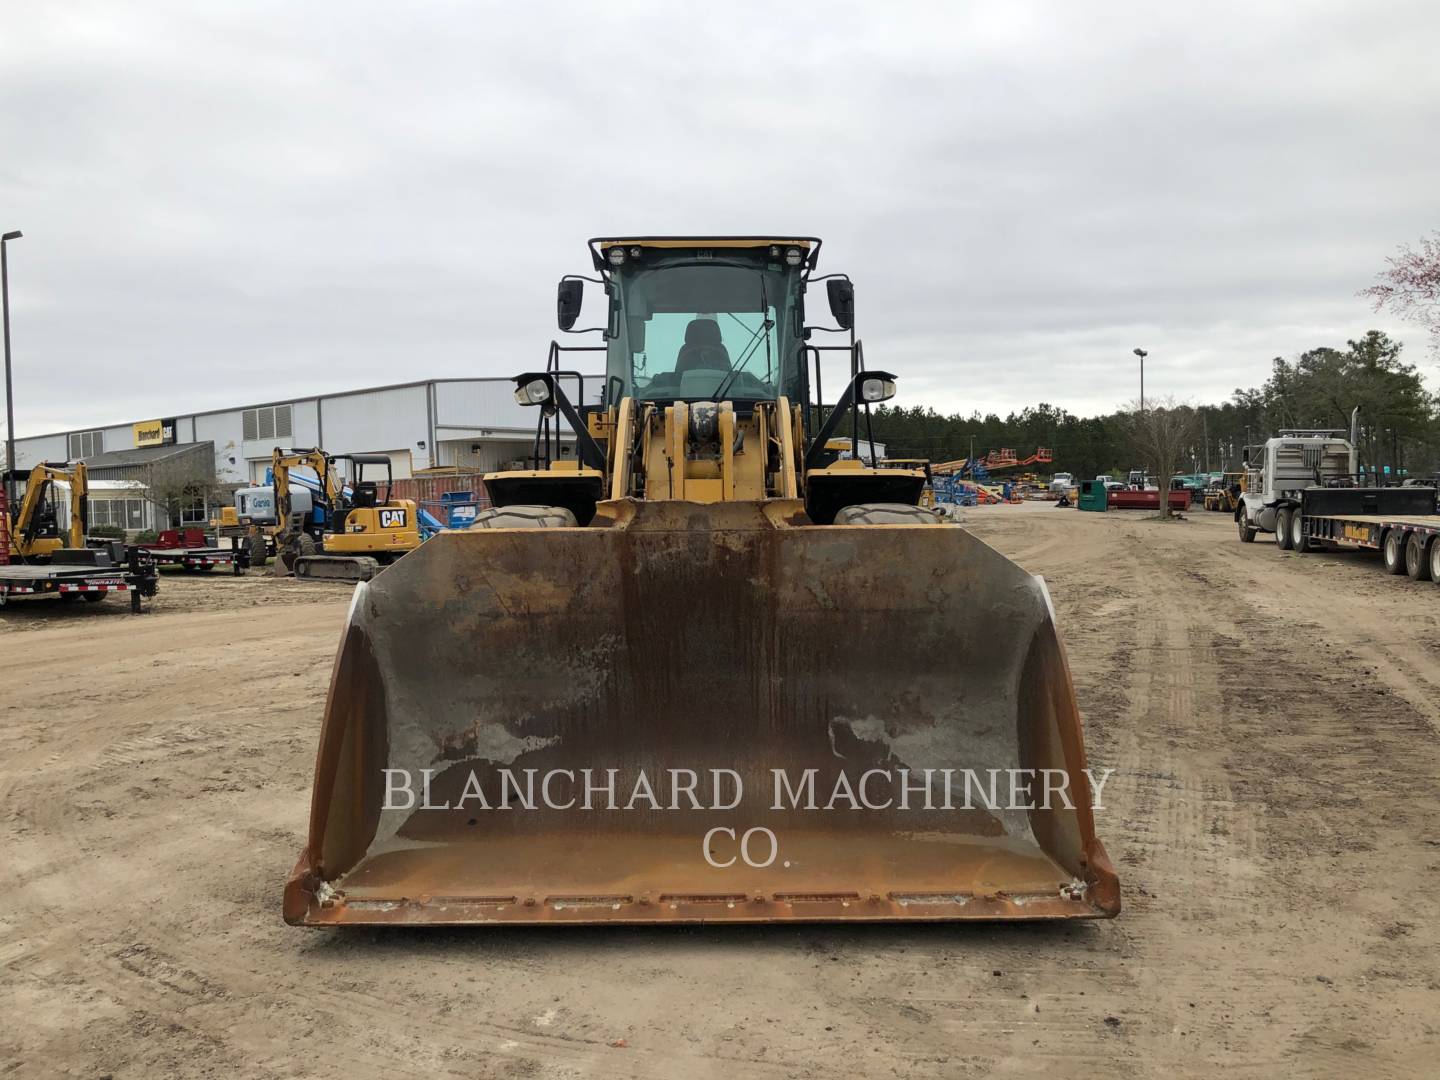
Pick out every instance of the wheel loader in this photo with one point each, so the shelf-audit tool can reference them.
(701, 670)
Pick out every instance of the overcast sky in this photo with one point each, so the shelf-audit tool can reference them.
(231, 203)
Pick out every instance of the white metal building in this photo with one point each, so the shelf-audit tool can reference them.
(473, 423)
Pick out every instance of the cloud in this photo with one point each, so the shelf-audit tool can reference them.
(224, 204)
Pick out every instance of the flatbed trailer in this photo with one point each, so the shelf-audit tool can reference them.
(78, 580)
(1400, 523)
(189, 551)
(199, 559)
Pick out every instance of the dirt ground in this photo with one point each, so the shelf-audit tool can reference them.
(1272, 719)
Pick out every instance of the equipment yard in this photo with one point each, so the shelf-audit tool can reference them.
(1271, 816)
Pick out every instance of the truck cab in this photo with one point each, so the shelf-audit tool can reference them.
(1277, 472)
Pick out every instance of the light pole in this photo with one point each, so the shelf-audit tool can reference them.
(9, 387)
(1141, 353)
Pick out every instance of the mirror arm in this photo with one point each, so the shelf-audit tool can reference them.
(586, 448)
(848, 402)
(837, 414)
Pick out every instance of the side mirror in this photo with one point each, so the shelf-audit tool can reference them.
(568, 298)
(842, 302)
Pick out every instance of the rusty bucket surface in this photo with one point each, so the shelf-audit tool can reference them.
(691, 713)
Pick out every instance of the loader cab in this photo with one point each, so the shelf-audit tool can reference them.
(704, 320)
(707, 385)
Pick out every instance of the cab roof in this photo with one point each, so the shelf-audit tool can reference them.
(600, 244)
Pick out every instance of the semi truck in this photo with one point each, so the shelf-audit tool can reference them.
(1304, 488)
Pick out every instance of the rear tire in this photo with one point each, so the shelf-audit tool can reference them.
(1435, 561)
(1282, 529)
(1393, 551)
(886, 514)
(1298, 540)
(93, 597)
(259, 551)
(525, 517)
(1417, 558)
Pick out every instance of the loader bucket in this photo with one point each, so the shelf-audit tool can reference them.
(688, 713)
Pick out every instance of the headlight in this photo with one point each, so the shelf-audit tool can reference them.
(873, 390)
(792, 256)
(616, 255)
(534, 392)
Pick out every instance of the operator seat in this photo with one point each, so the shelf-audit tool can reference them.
(364, 493)
(703, 348)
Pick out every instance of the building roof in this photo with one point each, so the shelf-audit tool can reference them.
(148, 455)
(296, 400)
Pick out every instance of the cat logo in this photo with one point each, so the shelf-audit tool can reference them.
(392, 519)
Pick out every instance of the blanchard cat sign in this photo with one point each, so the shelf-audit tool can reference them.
(154, 433)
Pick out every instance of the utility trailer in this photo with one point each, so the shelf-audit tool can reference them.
(189, 551)
(1401, 523)
(80, 574)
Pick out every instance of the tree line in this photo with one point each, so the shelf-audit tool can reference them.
(1400, 419)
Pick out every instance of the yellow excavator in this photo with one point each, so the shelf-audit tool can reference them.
(326, 530)
(690, 667)
(36, 532)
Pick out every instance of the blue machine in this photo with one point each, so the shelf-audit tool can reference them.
(460, 508)
(953, 490)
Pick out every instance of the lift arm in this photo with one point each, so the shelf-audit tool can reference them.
(318, 461)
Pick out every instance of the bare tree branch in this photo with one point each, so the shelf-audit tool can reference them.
(1160, 434)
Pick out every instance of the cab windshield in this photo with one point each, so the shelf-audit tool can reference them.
(703, 330)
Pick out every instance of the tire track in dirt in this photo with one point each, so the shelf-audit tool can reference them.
(149, 940)
(1307, 708)
(147, 971)
(1268, 906)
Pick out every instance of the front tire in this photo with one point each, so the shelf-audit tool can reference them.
(525, 517)
(1417, 558)
(1393, 552)
(1247, 531)
(886, 514)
